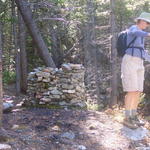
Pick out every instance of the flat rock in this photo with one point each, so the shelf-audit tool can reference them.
(5, 147)
(56, 92)
(79, 147)
(66, 67)
(143, 148)
(135, 134)
(7, 106)
(68, 135)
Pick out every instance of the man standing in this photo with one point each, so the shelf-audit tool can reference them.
(132, 69)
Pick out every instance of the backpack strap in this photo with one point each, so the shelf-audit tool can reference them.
(132, 42)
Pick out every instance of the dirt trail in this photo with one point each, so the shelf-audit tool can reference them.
(64, 129)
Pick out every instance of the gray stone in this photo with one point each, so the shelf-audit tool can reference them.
(46, 99)
(42, 103)
(39, 78)
(63, 103)
(69, 91)
(31, 75)
(47, 93)
(142, 148)
(77, 66)
(52, 88)
(66, 67)
(67, 86)
(46, 80)
(81, 104)
(68, 135)
(43, 74)
(7, 106)
(55, 96)
(5, 147)
(136, 134)
(56, 92)
(81, 147)
(39, 73)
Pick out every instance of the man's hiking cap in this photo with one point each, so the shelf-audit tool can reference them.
(144, 16)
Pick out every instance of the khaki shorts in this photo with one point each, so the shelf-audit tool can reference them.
(132, 73)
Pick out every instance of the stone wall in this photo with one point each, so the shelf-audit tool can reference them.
(64, 86)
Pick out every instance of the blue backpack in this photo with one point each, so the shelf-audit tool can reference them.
(122, 43)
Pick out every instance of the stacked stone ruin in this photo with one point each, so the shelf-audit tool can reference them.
(64, 86)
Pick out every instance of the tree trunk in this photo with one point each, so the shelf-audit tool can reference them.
(26, 13)
(17, 51)
(56, 48)
(90, 57)
(114, 85)
(23, 55)
(1, 85)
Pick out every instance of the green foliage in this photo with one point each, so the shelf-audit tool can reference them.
(94, 106)
(8, 77)
(127, 10)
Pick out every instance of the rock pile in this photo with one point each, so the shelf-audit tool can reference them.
(64, 86)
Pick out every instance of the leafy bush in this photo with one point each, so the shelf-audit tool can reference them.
(9, 77)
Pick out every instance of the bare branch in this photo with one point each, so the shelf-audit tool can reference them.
(48, 18)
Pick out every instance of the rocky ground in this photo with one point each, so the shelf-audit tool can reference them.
(65, 129)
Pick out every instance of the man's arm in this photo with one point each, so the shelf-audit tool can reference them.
(137, 32)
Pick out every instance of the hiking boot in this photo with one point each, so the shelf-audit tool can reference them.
(128, 122)
(137, 121)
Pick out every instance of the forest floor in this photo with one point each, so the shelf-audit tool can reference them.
(66, 129)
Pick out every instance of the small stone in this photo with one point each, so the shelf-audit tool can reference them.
(66, 67)
(68, 135)
(137, 134)
(81, 104)
(46, 93)
(48, 69)
(56, 92)
(67, 86)
(39, 78)
(52, 88)
(69, 91)
(55, 96)
(77, 66)
(81, 147)
(5, 147)
(7, 106)
(78, 88)
(62, 103)
(31, 75)
(42, 103)
(56, 128)
(46, 99)
(39, 74)
(15, 126)
(92, 127)
(46, 80)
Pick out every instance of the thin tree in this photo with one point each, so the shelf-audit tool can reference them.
(90, 61)
(114, 94)
(23, 55)
(3, 133)
(17, 51)
(26, 13)
(1, 85)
